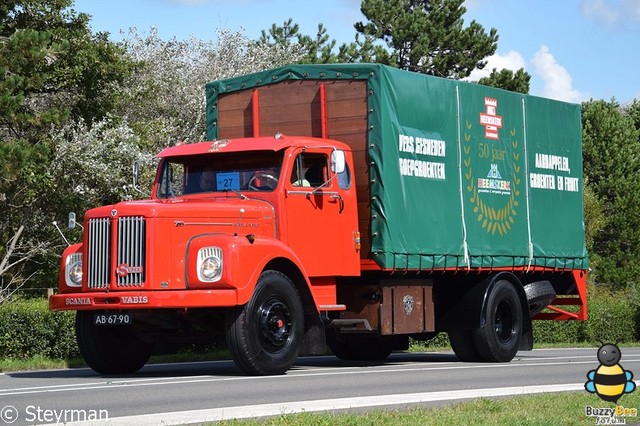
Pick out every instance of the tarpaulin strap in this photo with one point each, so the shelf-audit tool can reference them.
(465, 246)
(526, 183)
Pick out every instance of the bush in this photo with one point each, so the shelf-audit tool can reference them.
(559, 332)
(611, 318)
(28, 328)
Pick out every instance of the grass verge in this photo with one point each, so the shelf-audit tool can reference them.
(39, 362)
(537, 410)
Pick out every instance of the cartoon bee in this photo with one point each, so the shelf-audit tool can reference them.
(609, 381)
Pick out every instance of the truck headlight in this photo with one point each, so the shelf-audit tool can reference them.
(209, 264)
(73, 270)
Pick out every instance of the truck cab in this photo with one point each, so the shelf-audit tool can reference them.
(221, 215)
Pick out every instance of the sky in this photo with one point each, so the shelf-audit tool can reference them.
(574, 50)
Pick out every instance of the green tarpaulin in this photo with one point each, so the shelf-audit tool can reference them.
(461, 175)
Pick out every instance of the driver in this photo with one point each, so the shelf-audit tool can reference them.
(266, 179)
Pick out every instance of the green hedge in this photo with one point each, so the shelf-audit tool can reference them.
(28, 328)
(612, 318)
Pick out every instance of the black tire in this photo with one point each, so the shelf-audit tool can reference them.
(499, 339)
(539, 295)
(264, 335)
(463, 345)
(110, 349)
(359, 347)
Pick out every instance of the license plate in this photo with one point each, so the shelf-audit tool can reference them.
(112, 319)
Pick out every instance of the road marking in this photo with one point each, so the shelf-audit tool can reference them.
(278, 409)
(293, 374)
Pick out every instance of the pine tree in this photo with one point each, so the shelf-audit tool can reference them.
(508, 80)
(428, 36)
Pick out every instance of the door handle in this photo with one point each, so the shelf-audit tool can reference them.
(338, 198)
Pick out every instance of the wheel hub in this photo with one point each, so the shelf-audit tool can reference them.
(504, 325)
(275, 324)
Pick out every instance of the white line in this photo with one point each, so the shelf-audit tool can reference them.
(277, 409)
(292, 375)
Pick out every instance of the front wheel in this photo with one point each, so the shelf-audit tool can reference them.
(499, 338)
(264, 335)
(110, 349)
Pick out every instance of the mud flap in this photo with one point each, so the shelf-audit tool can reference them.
(526, 342)
(313, 340)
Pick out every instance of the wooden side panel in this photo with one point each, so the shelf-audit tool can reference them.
(407, 307)
(290, 107)
(234, 115)
(293, 108)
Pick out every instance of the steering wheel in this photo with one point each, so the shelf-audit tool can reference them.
(266, 181)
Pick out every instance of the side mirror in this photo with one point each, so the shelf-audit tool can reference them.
(72, 220)
(136, 176)
(338, 161)
(136, 173)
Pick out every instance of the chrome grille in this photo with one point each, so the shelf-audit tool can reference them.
(99, 253)
(129, 266)
(131, 241)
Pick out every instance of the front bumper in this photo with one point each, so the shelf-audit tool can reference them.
(143, 300)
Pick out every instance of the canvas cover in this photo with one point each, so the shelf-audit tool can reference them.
(461, 175)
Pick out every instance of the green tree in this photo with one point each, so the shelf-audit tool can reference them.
(316, 49)
(426, 36)
(508, 80)
(595, 221)
(612, 170)
(54, 67)
(429, 36)
(54, 71)
(633, 110)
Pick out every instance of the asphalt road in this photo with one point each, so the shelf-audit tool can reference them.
(208, 391)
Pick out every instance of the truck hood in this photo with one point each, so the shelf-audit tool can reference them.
(184, 209)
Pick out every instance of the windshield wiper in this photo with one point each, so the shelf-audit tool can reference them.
(238, 193)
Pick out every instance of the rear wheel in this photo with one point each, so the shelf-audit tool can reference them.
(498, 339)
(463, 345)
(264, 335)
(110, 349)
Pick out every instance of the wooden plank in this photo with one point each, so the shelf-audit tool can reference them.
(293, 108)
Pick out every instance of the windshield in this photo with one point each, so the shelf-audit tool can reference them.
(238, 171)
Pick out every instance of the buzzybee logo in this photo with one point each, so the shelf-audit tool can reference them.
(609, 381)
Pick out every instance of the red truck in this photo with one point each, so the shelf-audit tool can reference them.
(353, 205)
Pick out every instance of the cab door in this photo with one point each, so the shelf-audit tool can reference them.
(322, 217)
